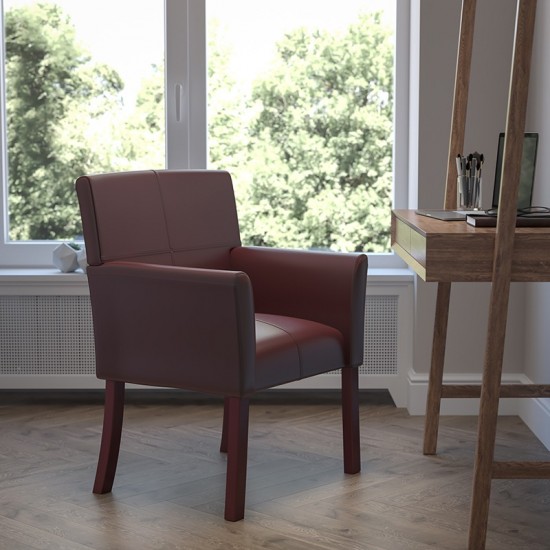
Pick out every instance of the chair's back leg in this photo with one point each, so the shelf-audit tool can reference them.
(350, 420)
(236, 410)
(110, 438)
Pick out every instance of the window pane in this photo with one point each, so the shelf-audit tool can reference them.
(301, 113)
(84, 94)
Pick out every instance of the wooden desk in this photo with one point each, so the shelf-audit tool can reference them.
(453, 251)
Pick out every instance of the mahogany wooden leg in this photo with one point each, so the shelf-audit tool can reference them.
(350, 420)
(433, 403)
(110, 438)
(237, 450)
(223, 443)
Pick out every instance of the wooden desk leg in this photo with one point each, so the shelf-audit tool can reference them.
(436, 370)
(488, 415)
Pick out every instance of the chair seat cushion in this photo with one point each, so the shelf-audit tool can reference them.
(289, 349)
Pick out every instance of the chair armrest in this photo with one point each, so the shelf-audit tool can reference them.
(173, 326)
(327, 287)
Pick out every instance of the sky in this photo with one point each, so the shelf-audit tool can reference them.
(128, 34)
(255, 25)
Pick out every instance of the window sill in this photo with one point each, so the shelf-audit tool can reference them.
(50, 281)
(42, 281)
(390, 275)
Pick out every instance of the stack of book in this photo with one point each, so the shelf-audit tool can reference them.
(482, 219)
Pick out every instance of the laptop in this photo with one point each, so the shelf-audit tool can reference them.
(528, 163)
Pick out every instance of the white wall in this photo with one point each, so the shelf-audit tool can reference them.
(537, 296)
(438, 22)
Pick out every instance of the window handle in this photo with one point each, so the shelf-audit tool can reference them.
(179, 101)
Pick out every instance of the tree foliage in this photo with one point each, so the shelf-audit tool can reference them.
(139, 139)
(54, 96)
(309, 146)
(228, 113)
(321, 144)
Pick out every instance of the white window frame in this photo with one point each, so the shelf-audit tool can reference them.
(185, 84)
(186, 119)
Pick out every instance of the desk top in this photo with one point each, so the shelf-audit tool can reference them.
(453, 251)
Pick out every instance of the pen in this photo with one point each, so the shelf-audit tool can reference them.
(461, 165)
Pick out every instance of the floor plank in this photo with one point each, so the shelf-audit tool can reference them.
(169, 488)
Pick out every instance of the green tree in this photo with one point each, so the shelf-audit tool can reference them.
(310, 148)
(321, 144)
(141, 141)
(228, 115)
(57, 105)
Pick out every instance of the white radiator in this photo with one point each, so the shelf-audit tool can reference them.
(46, 335)
(381, 335)
(47, 342)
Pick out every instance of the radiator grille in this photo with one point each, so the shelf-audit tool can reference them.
(381, 314)
(46, 335)
(53, 335)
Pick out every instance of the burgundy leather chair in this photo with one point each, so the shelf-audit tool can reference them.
(178, 302)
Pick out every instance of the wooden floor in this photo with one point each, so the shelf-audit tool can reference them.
(169, 490)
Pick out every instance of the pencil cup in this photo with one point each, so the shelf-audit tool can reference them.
(468, 193)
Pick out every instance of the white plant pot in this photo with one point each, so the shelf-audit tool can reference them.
(82, 260)
(65, 258)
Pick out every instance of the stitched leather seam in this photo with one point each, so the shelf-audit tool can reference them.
(170, 251)
(173, 250)
(292, 338)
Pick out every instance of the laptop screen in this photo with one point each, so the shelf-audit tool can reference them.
(528, 163)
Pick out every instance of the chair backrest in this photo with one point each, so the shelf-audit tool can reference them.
(170, 217)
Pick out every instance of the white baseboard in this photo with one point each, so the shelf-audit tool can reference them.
(534, 412)
(536, 415)
(418, 392)
(50, 382)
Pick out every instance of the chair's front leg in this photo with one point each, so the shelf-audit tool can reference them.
(223, 442)
(236, 410)
(350, 420)
(110, 438)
